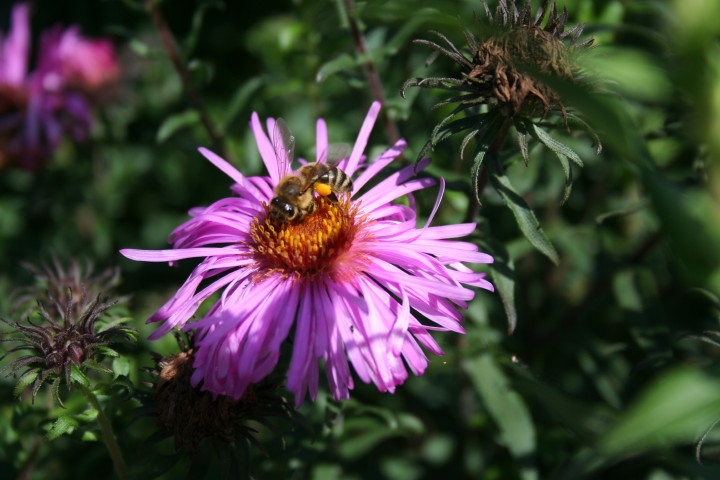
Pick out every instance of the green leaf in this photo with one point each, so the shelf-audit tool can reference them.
(78, 376)
(491, 123)
(450, 116)
(140, 48)
(192, 37)
(475, 172)
(567, 170)
(106, 351)
(524, 216)
(24, 381)
(503, 278)
(55, 389)
(121, 366)
(343, 62)
(443, 131)
(559, 148)
(240, 99)
(177, 122)
(517, 432)
(61, 426)
(523, 141)
(674, 409)
(97, 366)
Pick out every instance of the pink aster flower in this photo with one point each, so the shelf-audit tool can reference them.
(40, 107)
(356, 282)
(73, 62)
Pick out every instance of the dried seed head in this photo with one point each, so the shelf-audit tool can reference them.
(190, 415)
(58, 286)
(62, 332)
(501, 69)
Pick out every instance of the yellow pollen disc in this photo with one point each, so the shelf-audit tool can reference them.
(310, 246)
(323, 189)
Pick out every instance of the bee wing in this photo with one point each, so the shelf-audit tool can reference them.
(334, 153)
(283, 143)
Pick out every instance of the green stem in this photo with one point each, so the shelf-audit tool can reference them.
(185, 78)
(348, 7)
(108, 436)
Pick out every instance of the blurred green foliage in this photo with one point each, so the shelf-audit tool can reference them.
(600, 378)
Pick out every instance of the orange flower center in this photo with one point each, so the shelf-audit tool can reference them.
(314, 245)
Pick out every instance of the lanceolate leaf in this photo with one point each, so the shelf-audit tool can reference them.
(441, 132)
(524, 216)
(523, 140)
(492, 125)
(63, 425)
(503, 277)
(475, 172)
(558, 148)
(507, 409)
(177, 122)
(567, 170)
(338, 64)
(25, 381)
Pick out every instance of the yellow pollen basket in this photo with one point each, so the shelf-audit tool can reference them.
(323, 189)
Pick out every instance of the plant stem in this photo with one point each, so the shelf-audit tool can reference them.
(27, 468)
(391, 128)
(193, 96)
(108, 436)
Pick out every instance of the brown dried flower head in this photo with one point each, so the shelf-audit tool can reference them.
(191, 415)
(503, 83)
(501, 69)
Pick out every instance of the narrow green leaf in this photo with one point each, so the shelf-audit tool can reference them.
(523, 141)
(78, 376)
(474, 121)
(503, 278)
(449, 117)
(97, 366)
(524, 216)
(517, 432)
(558, 148)
(55, 389)
(491, 124)
(61, 426)
(466, 140)
(191, 39)
(621, 212)
(177, 122)
(475, 172)
(343, 62)
(567, 170)
(239, 99)
(106, 351)
(25, 380)
(673, 410)
(583, 125)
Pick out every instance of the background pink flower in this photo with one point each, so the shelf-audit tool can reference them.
(39, 108)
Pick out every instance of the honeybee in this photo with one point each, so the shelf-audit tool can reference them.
(294, 195)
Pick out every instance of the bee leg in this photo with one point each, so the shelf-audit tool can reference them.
(332, 197)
